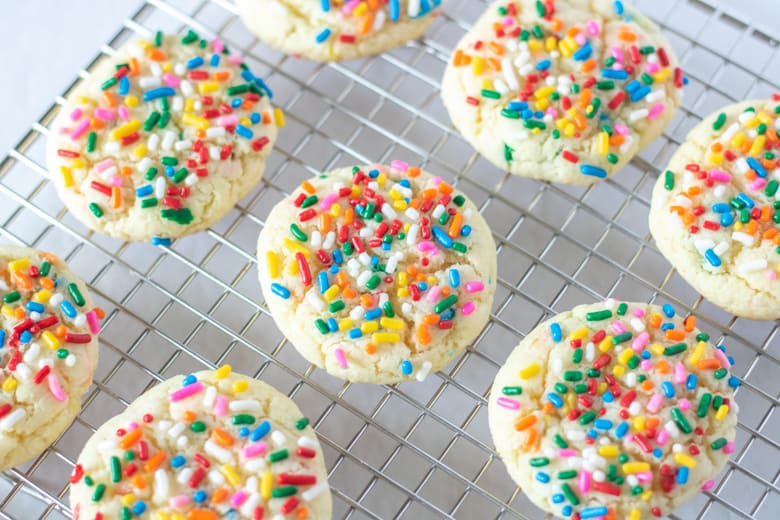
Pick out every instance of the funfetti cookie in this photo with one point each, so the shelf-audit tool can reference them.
(332, 30)
(715, 213)
(614, 410)
(162, 139)
(378, 274)
(564, 91)
(48, 350)
(207, 446)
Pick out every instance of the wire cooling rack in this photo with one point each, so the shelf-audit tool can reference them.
(416, 450)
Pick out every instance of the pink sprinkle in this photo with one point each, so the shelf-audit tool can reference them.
(684, 404)
(341, 359)
(644, 476)
(680, 373)
(720, 356)
(117, 181)
(399, 165)
(729, 447)
(93, 322)
(185, 392)
(646, 365)
(104, 165)
(567, 452)
(472, 287)
(468, 308)
(662, 437)
(593, 28)
(618, 327)
(720, 176)
(218, 45)
(656, 111)
(584, 481)
(253, 450)
(227, 120)
(621, 129)
(757, 184)
(179, 501)
(221, 406)
(76, 114)
(433, 294)
(640, 342)
(171, 80)
(79, 129)
(239, 498)
(55, 388)
(654, 404)
(508, 403)
(639, 313)
(105, 114)
(708, 485)
(652, 68)
(328, 201)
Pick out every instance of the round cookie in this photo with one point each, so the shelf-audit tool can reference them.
(562, 91)
(162, 139)
(49, 351)
(619, 408)
(210, 445)
(378, 274)
(715, 212)
(322, 30)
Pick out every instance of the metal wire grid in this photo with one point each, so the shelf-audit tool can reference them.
(416, 450)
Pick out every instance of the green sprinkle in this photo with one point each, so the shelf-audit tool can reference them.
(587, 417)
(445, 304)
(560, 441)
(298, 233)
(669, 180)
(622, 308)
(180, 175)
(278, 455)
(373, 282)
(12, 297)
(570, 496)
(511, 390)
(301, 423)
(492, 94)
(98, 494)
(149, 202)
(673, 350)
(321, 326)
(91, 141)
(681, 421)
(243, 418)
(337, 305)
(599, 315)
(570, 473)
(704, 403)
(149, 126)
(95, 209)
(110, 82)
(718, 443)
(75, 293)
(284, 491)
(538, 462)
(719, 121)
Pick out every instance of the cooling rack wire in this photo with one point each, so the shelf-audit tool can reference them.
(416, 450)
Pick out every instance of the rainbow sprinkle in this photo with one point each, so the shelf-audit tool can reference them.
(213, 454)
(628, 403)
(547, 78)
(129, 138)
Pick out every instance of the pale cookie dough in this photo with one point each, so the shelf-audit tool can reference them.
(618, 409)
(330, 30)
(162, 139)
(715, 213)
(569, 95)
(378, 274)
(49, 350)
(207, 446)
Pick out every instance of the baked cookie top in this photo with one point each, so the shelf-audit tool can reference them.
(562, 91)
(618, 409)
(210, 445)
(378, 274)
(48, 336)
(715, 211)
(162, 139)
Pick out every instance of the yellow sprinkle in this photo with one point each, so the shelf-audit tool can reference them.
(579, 333)
(265, 485)
(274, 266)
(697, 353)
(67, 176)
(391, 323)
(385, 337)
(685, 460)
(125, 130)
(638, 423)
(223, 371)
(41, 296)
(131, 101)
(19, 265)
(618, 370)
(50, 340)
(635, 467)
(240, 386)
(529, 371)
(345, 324)
(9, 385)
(230, 474)
(634, 514)
(279, 117)
(368, 327)
(609, 450)
(140, 151)
(204, 87)
(193, 120)
(606, 344)
(331, 292)
(723, 410)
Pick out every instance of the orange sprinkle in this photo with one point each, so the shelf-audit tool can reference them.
(370, 349)
(130, 438)
(219, 495)
(675, 335)
(708, 364)
(154, 462)
(690, 323)
(222, 437)
(525, 422)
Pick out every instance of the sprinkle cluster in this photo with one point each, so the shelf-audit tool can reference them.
(360, 246)
(370, 16)
(50, 325)
(739, 175)
(241, 466)
(169, 121)
(548, 78)
(634, 406)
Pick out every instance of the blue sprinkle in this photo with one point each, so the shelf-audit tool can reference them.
(454, 278)
(25, 337)
(144, 190)
(355, 333)
(621, 430)
(255, 118)
(543, 477)
(338, 258)
(214, 62)
(566, 510)
(199, 496)
(556, 332)
(139, 508)
(178, 460)
(555, 399)
(668, 389)
(608, 397)
(557, 498)
(726, 219)
(325, 4)
(395, 10)
(243, 432)
(633, 86)
(603, 424)
(721, 207)
(442, 237)
(406, 367)
(517, 106)
(261, 431)
(583, 53)
(323, 35)
(149, 95)
(682, 475)
(322, 281)
(760, 170)
(668, 310)
(593, 171)
(195, 62)
(712, 258)
(189, 379)
(35, 307)
(640, 93)
(160, 241)
(593, 512)
(734, 382)
(543, 65)
(244, 131)
(619, 11)
(614, 74)
(747, 200)
(373, 314)
(691, 382)
(658, 453)
(280, 290)
(333, 326)
(124, 86)
(465, 230)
